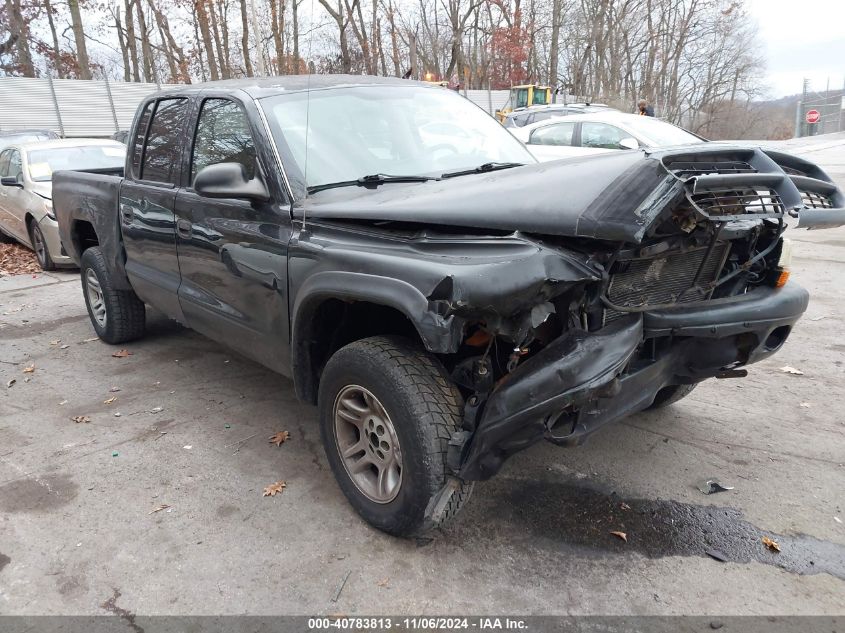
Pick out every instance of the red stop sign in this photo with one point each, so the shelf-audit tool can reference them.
(813, 116)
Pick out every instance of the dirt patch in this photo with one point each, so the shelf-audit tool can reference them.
(37, 494)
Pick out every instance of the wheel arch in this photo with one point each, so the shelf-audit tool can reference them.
(335, 308)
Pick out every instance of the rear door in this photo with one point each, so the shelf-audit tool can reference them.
(233, 253)
(147, 198)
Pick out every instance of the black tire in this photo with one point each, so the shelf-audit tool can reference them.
(125, 314)
(424, 408)
(670, 395)
(39, 245)
(6, 239)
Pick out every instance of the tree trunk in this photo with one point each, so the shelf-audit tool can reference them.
(215, 31)
(121, 39)
(57, 52)
(554, 49)
(146, 49)
(278, 42)
(131, 42)
(202, 20)
(177, 61)
(295, 18)
(245, 39)
(79, 38)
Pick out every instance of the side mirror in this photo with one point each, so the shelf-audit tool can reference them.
(228, 180)
(629, 143)
(8, 181)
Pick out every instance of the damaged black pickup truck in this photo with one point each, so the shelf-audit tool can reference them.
(442, 298)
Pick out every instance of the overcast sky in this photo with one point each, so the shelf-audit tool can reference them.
(802, 38)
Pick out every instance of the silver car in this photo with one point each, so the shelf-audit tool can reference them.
(26, 173)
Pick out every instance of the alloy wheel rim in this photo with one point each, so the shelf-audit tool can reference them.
(95, 297)
(367, 444)
(38, 245)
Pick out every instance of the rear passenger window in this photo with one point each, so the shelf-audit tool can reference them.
(138, 140)
(165, 141)
(223, 136)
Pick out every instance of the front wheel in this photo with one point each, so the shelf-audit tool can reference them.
(387, 412)
(118, 316)
(39, 245)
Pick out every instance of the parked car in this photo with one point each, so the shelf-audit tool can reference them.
(443, 310)
(26, 208)
(10, 137)
(535, 114)
(600, 132)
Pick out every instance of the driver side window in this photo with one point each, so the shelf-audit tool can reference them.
(559, 134)
(15, 166)
(223, 136)
(4, 162)
(602, 135)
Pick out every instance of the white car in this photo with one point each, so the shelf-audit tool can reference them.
(26, 174)
(595, 133)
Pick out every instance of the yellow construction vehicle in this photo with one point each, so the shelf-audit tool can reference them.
(524, 97)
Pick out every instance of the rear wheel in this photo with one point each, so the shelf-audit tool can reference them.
(39, 245)
(670, 395)
(117, 315)
(387, 412)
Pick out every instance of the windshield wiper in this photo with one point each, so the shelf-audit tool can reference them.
(373, 180)
(481, 169)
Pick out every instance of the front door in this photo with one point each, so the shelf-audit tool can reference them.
(147, 198)
(233, 253)
(13, 199)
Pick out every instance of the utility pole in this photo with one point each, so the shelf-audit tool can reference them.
(259, 40)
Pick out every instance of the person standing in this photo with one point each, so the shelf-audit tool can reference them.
(644, 109)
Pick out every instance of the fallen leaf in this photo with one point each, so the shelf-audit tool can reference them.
(188, 447)
(122, 353)
(63, 402)
(837, 519)
(93, 338)
(156, 410)
(56, 342)
(65, 346)
(110, 400)
(383, 582)
(29, 369)
(772, 545)
(11, 382)
(805, 405)
(621, 535)
(625, 506)
(114, 389)
(791, 370)
(273, 489)
(279, 438)
(163, 506)
(81, 418)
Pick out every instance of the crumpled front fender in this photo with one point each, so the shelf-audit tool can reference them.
(577, 363)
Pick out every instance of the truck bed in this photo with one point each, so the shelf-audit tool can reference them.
(90, 197)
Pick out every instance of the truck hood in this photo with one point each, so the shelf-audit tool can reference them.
(594, 196)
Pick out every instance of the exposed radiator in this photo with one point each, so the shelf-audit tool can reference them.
(662, 280)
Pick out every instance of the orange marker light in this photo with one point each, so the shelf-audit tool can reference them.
(782, 279)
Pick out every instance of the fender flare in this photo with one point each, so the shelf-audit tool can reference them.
(439, 334)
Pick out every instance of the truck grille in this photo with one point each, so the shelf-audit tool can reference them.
(813, 200)
(663, 280)
(687, 168)
(731, 202)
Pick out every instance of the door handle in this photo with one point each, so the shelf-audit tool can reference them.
(127, 214)
(183, 228)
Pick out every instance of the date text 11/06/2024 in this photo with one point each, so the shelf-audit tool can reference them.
(418, 624)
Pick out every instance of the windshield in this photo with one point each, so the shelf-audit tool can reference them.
(43, 162)
(660, 133)
(398, 130)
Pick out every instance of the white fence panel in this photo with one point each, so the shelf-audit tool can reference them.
(26, 103)
(84, 107)
(490, 100)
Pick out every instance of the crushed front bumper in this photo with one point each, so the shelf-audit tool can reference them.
(584, 380)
